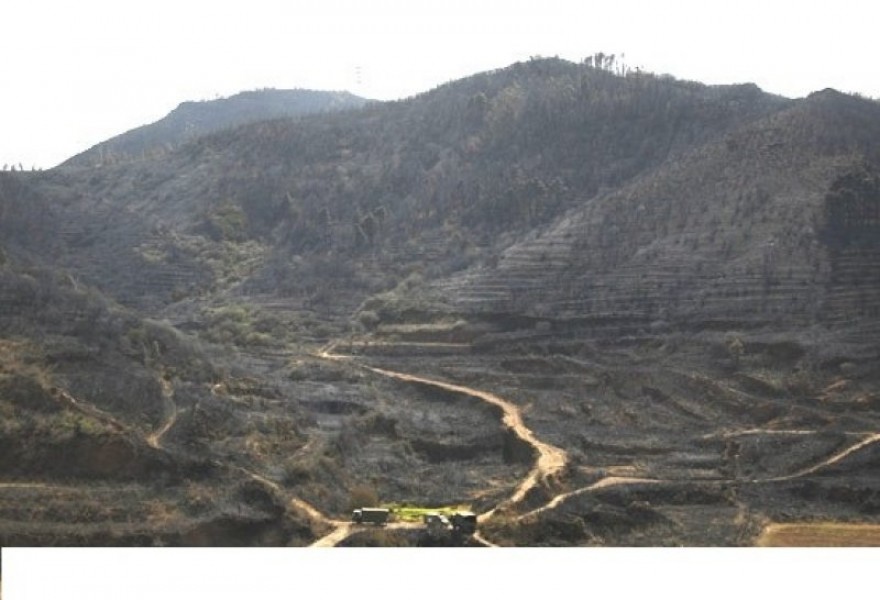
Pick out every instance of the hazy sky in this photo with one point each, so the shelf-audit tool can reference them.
(77, 72)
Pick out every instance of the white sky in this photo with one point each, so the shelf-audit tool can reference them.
(76, 72)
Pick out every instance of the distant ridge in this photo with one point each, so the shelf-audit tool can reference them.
(193, 119)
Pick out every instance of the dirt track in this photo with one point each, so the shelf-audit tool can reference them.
(170, 410)
(66, 399)
(25, 486)
(550, 461)
(342, 531)
(835, 458)
(605, 482)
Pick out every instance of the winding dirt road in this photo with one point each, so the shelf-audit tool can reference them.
(170, 410)
(550, 462)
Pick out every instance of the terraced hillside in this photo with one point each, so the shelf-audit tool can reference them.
(597, 309)
(359, 200)
(742, 232)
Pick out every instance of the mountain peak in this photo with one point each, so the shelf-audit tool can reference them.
(192, 119)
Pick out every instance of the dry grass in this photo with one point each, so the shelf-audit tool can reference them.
(24, 358)
(161, 514)
(819, 535)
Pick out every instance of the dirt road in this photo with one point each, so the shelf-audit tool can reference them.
(25, 486)
(605, 482)
(550, 460)
(339, 533)
(835, 458)
(339, 529)
(64, 397)
(170, 411)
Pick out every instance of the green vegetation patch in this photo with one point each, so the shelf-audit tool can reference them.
(227, 222)
(238, 325)
(406, 512)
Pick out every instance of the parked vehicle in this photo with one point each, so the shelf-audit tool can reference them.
(437, 524)
(464, 523)
(376, 516)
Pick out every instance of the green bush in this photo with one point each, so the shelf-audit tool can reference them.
(227, 222)
(235, 325)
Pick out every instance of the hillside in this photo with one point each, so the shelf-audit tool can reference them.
(772, 223)
(431, 184)
(667, 290)
(194, 119)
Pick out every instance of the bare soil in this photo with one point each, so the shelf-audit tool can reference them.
(819, 535)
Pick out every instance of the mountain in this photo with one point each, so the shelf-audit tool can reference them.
(434, 183)
(674, 285)
(193, 119)
(771, 223)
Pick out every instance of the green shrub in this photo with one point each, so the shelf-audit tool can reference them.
(227, 222)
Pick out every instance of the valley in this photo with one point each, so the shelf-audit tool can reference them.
(595, 308)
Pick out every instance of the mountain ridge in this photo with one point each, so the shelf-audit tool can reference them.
(192, 119)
